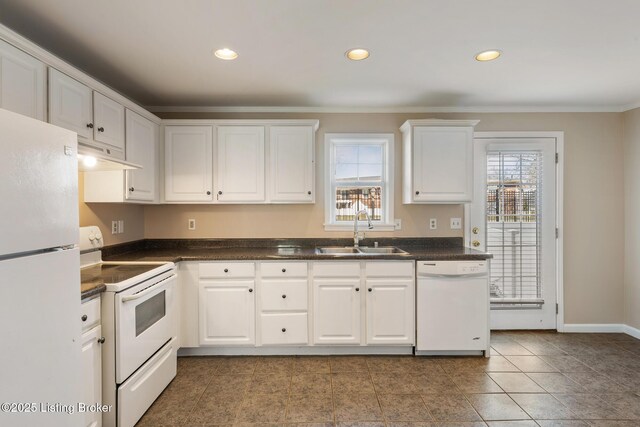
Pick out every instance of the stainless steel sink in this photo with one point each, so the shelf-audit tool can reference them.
(362, 250)
(381, 250)
(338, 250)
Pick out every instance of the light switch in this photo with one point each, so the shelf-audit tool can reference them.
(456, 223)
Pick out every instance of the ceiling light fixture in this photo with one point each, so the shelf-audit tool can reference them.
(488, 55)
(89, 161)
(357, 54)
(226, 54)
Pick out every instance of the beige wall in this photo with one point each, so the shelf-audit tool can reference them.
(631, 137)
(101, 214)
(593, 196)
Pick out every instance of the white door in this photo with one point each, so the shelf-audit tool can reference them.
(513, 216)
(227, 312)
(389, 308)
(292, 167)
(22, 82)
(240, 164)
(92, 374)
(70, 104)
(108, 121)
(336, 311)
(142, 143)
(188, 162)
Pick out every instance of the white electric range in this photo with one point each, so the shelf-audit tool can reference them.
(139, 325)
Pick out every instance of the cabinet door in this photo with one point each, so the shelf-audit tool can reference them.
(92, 374)
(188, 161)
(227, 312)
(70, 104)
(442, 164)
(336, 311)
(22, 82)
(291, 152)
(240, 164)
(142, 149)
(108, 121)
(390, 318)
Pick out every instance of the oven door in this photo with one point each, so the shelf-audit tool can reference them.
(145, 314)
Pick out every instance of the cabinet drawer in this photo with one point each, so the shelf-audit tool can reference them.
(90, 309)
(336, 269)
(284, 329)
(389, 269)
(284, 269)
(284, 295)
(227, 269)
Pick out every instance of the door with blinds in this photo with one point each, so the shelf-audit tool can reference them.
(513, 216)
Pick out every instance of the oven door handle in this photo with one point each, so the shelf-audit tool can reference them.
(143, 292)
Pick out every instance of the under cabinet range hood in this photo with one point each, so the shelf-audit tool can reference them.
(91, 158)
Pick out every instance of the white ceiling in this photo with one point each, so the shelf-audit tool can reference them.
(568, 54)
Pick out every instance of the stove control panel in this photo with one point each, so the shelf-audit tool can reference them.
(90, 238)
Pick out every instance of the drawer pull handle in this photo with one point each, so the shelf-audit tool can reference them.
(284, 296)
(84, 317)
(284, 270)
(226, 270)
(250, 290)
(284, 329)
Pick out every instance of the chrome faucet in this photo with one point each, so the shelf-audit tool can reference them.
(356, 237)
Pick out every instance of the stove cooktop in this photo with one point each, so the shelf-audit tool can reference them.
(113, 273)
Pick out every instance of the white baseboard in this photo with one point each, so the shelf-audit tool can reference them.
(630, 330)
(596, 327)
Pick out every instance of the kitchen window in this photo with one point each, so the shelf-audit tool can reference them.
(359, 176)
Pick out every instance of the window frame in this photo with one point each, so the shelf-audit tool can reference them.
(386, 140)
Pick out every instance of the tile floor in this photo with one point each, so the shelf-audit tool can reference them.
(532, 379)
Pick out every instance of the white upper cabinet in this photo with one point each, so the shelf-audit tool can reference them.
(70, 104)
(188, 163)
(108, 121)
(239, 173)
(142, 149)
(437, 161)
(22, 82)
(291, 150)
(93, 116)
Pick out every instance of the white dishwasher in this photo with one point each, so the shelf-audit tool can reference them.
(452, 308)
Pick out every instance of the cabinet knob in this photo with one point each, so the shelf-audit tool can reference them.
(250, 290)
(226, 270)
(101, 340)
(208, 193)
(90, 125)
(220, 193)
(309, 192)
(108, 151)
(284, 296)
(100, 129)
(284, 270)
(284, 329)
(417, 192)
(370, 289)
(131, 189)
(84, 317)
(357, 289)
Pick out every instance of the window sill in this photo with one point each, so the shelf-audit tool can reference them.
(361, 228)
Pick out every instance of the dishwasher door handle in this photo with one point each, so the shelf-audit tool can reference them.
(452, 276)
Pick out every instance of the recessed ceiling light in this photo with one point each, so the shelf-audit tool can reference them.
(226, 54)
(357, 54)
(488, 55)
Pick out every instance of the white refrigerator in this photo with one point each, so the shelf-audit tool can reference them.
(40, 327)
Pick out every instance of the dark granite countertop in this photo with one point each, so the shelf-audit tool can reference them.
(177, 250)
(89, 289)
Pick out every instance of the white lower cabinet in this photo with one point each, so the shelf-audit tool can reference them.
(91, 360)
(336, 311)
(227, 304)
(390, 318)
(283, 328)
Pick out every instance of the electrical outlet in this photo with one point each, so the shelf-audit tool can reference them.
(114, 227)
(433, 223)
(192, 224)
(397, 224)
(120, 226)
(456, 223)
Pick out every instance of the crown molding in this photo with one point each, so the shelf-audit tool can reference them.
(630, 107)
(374, 110)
